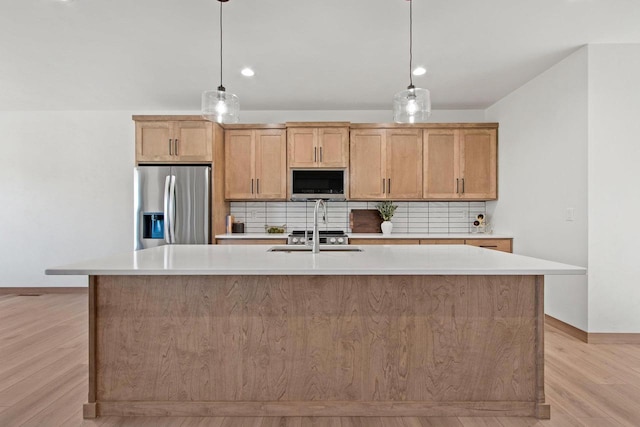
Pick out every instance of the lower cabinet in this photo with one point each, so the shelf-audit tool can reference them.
(384, 241)
(251, 241)
(504, 245)
(441, 241)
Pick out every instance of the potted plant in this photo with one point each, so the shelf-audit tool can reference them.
(386, 210)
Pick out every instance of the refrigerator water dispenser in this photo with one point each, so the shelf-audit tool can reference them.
(153, 225)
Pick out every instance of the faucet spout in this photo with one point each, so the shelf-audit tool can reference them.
(316, 234)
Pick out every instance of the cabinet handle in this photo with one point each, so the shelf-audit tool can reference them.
(175, 142)
(488, 246)
(320, 154)
(170, 147)
(315, 154)
(389, 186)
(258, 185)
(383, 182)
(462, 185)
(457, 185)
(251, 185)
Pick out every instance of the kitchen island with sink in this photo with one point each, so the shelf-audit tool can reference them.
(238, 330)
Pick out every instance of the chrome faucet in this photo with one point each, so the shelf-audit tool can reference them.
(316, 234)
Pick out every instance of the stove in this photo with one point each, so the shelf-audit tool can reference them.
(327, 237)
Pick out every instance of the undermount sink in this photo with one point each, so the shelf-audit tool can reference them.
(323, 248)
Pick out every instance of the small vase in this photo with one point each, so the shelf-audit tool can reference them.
(386, 227)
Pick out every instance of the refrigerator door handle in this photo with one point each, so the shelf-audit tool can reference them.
(172, 209)
(207, 187)
(167, 186)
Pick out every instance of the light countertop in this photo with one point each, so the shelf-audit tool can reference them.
(373, 236)
(373, 260)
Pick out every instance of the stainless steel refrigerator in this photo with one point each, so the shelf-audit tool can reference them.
(171, 205)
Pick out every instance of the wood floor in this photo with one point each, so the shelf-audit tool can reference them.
(43, 378)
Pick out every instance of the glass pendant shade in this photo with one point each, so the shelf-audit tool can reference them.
(412, 105)
(220, 106)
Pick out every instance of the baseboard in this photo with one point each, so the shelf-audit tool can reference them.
(613, 338)
(592, 337)
(567, 328)
(47, 290)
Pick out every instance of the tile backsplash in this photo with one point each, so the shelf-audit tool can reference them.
(410, 217)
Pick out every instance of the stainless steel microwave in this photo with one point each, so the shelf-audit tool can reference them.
(311, 184)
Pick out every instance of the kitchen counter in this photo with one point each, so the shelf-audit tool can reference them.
(395, 330)
(373, 260)
(373, 236)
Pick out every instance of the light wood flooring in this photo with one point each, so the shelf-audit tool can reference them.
(43, 378)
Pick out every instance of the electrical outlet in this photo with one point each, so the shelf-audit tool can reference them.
(571, 214)
(465, 214)
(253, 214)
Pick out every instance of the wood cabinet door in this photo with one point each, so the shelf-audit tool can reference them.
(271, 164)
(153, 142)
(441, 164)
(478, 164)
(357, 241)
(193, 141)
(303, 150)
(503, 245)
(442, 241)
(239, 156)
(404, 163)
(367, 164)
(333, 147)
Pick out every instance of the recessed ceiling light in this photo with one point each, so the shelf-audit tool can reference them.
(419, 71)
(247, 72)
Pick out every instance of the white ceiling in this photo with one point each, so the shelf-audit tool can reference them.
(307, 54)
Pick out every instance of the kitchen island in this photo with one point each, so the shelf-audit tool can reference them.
(218, 330)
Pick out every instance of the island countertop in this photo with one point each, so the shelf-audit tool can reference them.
(373, 260)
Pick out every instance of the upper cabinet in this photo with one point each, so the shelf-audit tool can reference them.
(386, 164)
(318, 146)
(174, 141)
(460, 164)
(479, 164)
(255, 164)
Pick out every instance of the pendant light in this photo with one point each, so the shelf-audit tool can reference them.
(413, 104)
(219, 105)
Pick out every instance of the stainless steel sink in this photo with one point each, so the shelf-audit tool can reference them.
(323, 248)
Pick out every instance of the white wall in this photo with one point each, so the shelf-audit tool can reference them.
(66, 184)
(542, 172)
(66, 192)
(614, 177)
(367, 116)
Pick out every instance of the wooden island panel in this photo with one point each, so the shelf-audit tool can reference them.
(317, 345)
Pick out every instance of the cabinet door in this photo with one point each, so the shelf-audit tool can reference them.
(357, 241)
(153, 142)
(239, 165)
(333, 147)
(366, 174)
(503, 245)
(193, 141)
(404, 163)
(271, 164)
(478, 164)
(442, 241)
(303, 150)
(441, 164)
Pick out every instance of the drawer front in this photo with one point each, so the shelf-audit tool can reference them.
(503, 245)
(252, 241)
(384, 241)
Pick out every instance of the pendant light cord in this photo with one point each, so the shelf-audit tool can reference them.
(221, 46)
(410, 41)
